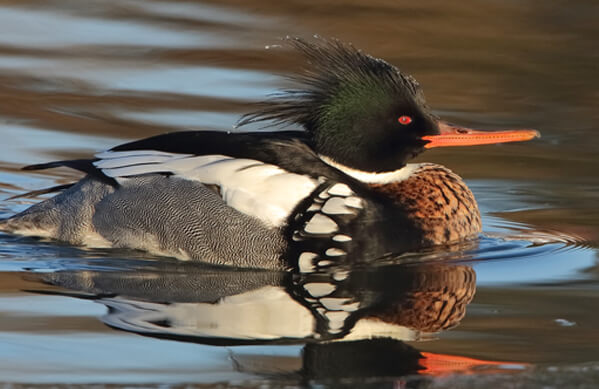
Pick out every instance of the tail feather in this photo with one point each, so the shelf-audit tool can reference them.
(39, 192)
(82, 165)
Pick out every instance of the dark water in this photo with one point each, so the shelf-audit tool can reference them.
(519, 308)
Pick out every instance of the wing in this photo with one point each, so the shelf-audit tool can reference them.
(264, 175)
(290, 150)
(253, 187)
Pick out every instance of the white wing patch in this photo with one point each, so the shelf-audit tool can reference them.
(255, 188)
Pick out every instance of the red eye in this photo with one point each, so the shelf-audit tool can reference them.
(404, 120)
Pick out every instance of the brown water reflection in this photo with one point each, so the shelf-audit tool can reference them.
(78, 77)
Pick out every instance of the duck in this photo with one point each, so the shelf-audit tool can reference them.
(338, 188)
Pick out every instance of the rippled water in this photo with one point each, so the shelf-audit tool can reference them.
(517, 308)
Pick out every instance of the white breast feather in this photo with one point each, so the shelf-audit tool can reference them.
(255, 188)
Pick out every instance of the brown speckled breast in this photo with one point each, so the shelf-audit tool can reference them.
(438, 202)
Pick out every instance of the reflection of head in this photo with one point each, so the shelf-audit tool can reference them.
(362, 358)
(434, 298)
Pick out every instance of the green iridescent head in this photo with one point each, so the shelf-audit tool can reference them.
(360, 111)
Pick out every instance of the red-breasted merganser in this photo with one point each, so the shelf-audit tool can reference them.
(340, 190)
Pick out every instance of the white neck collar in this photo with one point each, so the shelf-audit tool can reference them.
(374, 178)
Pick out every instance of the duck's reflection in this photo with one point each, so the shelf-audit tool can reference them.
(352, 322)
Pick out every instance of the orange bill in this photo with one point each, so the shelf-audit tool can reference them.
(452, 135)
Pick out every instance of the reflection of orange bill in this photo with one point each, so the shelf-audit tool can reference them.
(443, 364)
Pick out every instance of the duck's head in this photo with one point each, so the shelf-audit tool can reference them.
(362, 113)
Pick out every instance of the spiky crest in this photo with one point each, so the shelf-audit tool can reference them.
(337, 72)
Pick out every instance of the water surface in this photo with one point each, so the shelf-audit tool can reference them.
(520, 305)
